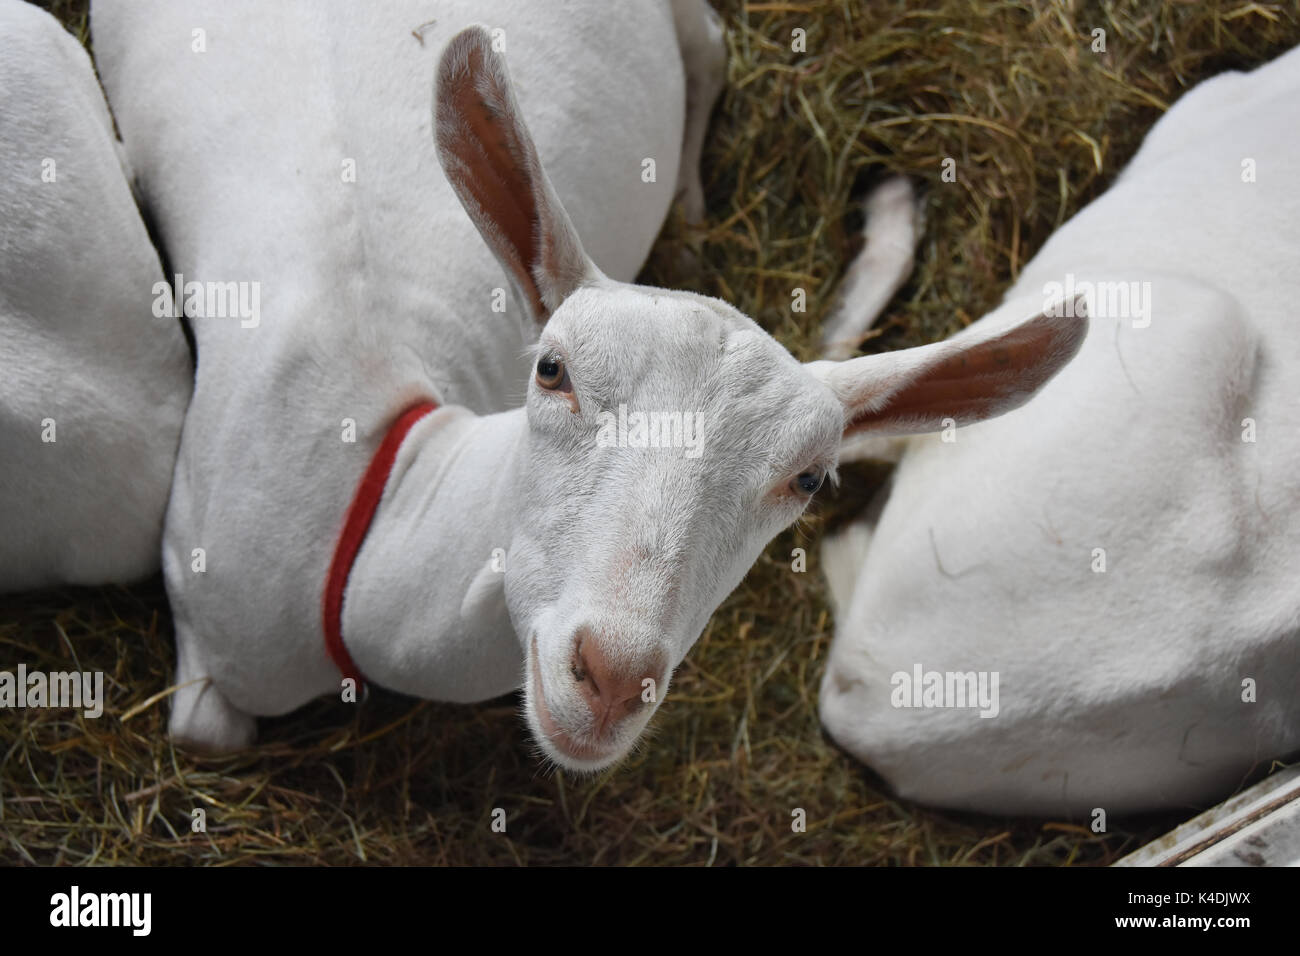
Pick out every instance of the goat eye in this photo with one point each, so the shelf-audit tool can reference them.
(809, 482)
(550, 372)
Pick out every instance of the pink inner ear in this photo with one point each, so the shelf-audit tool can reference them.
(494, 165)
(977, 382)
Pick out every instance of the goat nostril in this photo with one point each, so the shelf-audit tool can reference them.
(610, 688)
(582, 672)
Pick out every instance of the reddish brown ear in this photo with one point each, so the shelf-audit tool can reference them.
(968, 378)
(490, 160)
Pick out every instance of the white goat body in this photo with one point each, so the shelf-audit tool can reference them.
(294, 144)
(1167, 677)
(93, 383)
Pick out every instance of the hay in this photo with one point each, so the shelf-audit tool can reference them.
(1038, 125)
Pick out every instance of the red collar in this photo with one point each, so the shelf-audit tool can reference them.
(360, 513)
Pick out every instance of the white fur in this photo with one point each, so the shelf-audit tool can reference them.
(893, 228)
(81, 352)
(378, 292)
(1119, 690)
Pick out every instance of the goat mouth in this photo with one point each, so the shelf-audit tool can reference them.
(578, 754)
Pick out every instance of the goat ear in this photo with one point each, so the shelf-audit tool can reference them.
(972, 376)
(490, 160)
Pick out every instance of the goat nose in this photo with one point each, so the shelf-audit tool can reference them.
(612, 690)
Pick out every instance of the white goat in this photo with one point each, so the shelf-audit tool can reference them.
(509, 547)
(93, 386)
(1124, 554)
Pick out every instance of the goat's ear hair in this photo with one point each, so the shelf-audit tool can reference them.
(489, 158)
(975, 375)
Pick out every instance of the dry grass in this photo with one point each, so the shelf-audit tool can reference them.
(1038, 125)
